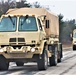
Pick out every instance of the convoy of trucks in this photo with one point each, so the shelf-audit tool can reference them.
(29, 35)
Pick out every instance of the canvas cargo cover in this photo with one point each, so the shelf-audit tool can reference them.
(53, 18)
(54, 24)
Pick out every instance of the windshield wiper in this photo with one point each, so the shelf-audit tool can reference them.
(24, 20)
(11, 20)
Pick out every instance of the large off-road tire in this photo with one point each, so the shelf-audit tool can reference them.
(19, 63)
(60, 53)
(53, 59)
(74, 48)
(4, 65)
(42, 61)
(59, 60)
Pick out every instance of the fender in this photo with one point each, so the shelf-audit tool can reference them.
(43, 42)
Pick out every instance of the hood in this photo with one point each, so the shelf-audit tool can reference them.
(18, 38)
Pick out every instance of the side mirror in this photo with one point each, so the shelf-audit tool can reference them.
(0, 22)
(71, 35)
(47, 24)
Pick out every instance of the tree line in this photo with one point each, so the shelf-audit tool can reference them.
(5, 5)
(66, 28)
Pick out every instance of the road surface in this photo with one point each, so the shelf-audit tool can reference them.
(66, 67)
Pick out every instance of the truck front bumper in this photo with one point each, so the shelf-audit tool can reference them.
(24, 52)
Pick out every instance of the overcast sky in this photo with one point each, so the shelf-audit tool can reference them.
(65, 7)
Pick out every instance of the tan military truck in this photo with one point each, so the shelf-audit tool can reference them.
(73, 35)
(29, 35)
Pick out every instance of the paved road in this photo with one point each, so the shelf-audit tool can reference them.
(67, 67)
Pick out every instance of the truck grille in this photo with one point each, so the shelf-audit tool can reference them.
(12, 40)
(16, 41)
(21, 40)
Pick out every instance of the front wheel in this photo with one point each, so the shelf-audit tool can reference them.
(53, 59)
(43, 61)
(74, 48)
(3, 63)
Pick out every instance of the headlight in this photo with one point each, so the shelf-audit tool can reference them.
(32, 49)
(1, 50)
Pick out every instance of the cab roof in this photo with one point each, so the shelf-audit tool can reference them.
(27, 11)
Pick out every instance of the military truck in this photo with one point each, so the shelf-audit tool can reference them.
(29, 35)
(73, 35)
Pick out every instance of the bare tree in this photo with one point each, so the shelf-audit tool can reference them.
(36, 5)
(5, 5)
(22, 3)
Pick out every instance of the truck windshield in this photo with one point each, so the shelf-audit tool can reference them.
(8, 24)
(27, 23)
(74, 35)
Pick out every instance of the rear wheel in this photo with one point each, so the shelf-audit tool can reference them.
(60, 54)
(42, 61)
(59, 60)
(19, 63)
(74, 48)
(3, 63)
(53, 59)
